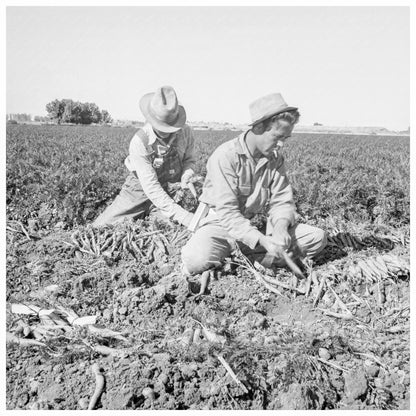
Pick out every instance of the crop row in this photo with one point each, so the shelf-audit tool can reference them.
(66, 175)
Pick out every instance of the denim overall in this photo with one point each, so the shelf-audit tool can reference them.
(132, 202)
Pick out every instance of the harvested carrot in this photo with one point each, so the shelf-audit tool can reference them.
(320, 290)
(205, 279)
(99, 386)
(281, 284)
(292, 265)
(107, 242)
(192, 189)
(309, 283)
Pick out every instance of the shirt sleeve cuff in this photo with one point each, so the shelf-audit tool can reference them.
(289, 217)
(252, 238)
(180, 214)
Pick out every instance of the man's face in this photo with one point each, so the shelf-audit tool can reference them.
(279, 131)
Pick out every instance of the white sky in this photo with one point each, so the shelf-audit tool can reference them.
(339, 65)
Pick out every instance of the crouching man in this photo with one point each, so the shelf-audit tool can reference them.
(162, 151)
(245, 176)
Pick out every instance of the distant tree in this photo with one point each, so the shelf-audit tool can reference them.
(19, 117)
(55, 110)
(85, 114)
(317, 124)
(41, 119)
(95, 113)
(105, 117)
(68, 105)
(24, 117)
(69, 111)
(90, 113)
(76, 112)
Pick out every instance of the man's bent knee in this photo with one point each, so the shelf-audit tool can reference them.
(320, 241)
(194, 263)
(196, 260)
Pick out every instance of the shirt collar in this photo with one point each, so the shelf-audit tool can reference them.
(243, 150)
(147, 128)
(241, 146)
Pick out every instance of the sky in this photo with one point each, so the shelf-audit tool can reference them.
(341, 66)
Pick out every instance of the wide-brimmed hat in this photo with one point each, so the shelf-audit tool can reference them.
(162, 110)
(268, 106)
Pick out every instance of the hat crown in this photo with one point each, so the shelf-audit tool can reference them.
(164, 105)
(267, 106)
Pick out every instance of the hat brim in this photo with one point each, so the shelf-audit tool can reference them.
(158, 124)
(274, 113)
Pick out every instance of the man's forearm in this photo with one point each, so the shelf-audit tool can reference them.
(282, 224)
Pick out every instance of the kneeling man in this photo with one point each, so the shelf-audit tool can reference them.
(162, 151)
(246, 176)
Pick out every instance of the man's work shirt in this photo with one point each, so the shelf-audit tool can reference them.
(140, 161)
(236, 188)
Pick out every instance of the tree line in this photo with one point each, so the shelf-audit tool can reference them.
(69, 111)
(19, 117)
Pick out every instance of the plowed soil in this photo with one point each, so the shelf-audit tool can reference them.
(287, 353)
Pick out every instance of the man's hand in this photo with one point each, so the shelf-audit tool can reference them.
(270, 245)
(282, 239)
(186, 177)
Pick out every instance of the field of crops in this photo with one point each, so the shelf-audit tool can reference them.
(91, 305)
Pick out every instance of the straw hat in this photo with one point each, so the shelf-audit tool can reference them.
(162, 110)
(268, 106)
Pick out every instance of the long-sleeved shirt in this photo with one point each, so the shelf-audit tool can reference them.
(140, 161)
(236, 188)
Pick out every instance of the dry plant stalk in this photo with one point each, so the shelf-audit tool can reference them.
(231, 372)
(337, 367)
(340, 302)
(23, 342)
(347, 316)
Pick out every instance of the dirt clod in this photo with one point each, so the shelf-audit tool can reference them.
(355, 384)
(371, 369)
(324, 353)
(294, 398)
(83, 403)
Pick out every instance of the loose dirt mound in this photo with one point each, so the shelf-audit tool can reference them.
(128, 308)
